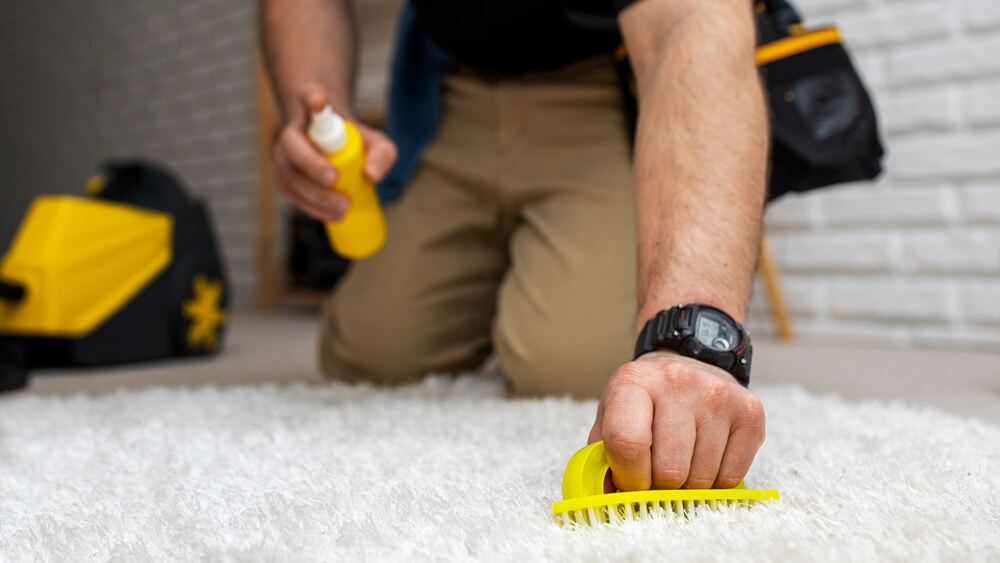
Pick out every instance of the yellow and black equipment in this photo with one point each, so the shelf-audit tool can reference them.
(824, 129)
(131, 272)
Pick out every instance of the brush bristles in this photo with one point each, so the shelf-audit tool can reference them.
(619, 512)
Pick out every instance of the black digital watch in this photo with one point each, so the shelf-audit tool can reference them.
(703, 332)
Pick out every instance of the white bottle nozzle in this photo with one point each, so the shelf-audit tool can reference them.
(327, 131)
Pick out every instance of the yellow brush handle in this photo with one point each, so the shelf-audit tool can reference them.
(586, 471)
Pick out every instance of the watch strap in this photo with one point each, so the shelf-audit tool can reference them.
(674, 329)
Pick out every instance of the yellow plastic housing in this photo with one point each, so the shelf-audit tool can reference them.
(362, 232)
(585, 502)
(81, 260)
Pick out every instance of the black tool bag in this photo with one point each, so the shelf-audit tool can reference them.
(180, 310)
(823, 126)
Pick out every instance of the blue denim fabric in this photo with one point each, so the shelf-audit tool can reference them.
(414, 107)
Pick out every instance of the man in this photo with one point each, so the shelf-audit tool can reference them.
(521, 233)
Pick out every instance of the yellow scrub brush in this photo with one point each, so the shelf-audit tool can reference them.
(585, 502)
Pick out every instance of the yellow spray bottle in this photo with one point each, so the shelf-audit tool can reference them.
(362, 230)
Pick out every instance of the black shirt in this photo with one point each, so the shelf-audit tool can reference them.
(515, 36)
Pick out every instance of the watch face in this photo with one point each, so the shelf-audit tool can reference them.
(714, 331)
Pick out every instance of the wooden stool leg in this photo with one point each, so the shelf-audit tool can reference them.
(267, 130)
(774, 294)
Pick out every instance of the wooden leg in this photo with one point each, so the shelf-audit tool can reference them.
(267, 129)
(774, 294)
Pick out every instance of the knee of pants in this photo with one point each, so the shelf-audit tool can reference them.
(544, 361)
(360, 341)
(356, 347)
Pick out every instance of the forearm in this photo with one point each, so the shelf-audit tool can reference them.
(309, 41)
(700, 165)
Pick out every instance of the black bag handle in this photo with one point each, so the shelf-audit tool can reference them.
(785, 17)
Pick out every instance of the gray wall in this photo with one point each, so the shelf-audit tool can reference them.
(171, 81)
(166, 80)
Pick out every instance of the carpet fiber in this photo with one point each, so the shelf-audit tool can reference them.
(451, 470)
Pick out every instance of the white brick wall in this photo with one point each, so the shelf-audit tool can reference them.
(980, 15)
(982, 103)
(913, 259)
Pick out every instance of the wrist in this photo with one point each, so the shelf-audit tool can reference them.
(668, 355)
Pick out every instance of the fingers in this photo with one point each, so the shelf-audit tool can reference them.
(709, 446)
(326, 204)
(595, 435)
(744, 441)
(674, 430)
(292, 195)
(305, 176)
(305, 157)
(627, 431)
(736, 460)
(320, 202)
(670, 422)
(595, 430)
(380, 153)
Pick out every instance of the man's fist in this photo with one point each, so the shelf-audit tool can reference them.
(305, 177)
(669, 421)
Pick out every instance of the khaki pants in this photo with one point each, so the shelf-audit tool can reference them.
(516, 235)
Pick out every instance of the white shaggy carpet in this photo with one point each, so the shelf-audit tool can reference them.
(451, 470)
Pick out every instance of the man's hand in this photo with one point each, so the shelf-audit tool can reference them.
(669, 421)
(305, 176)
